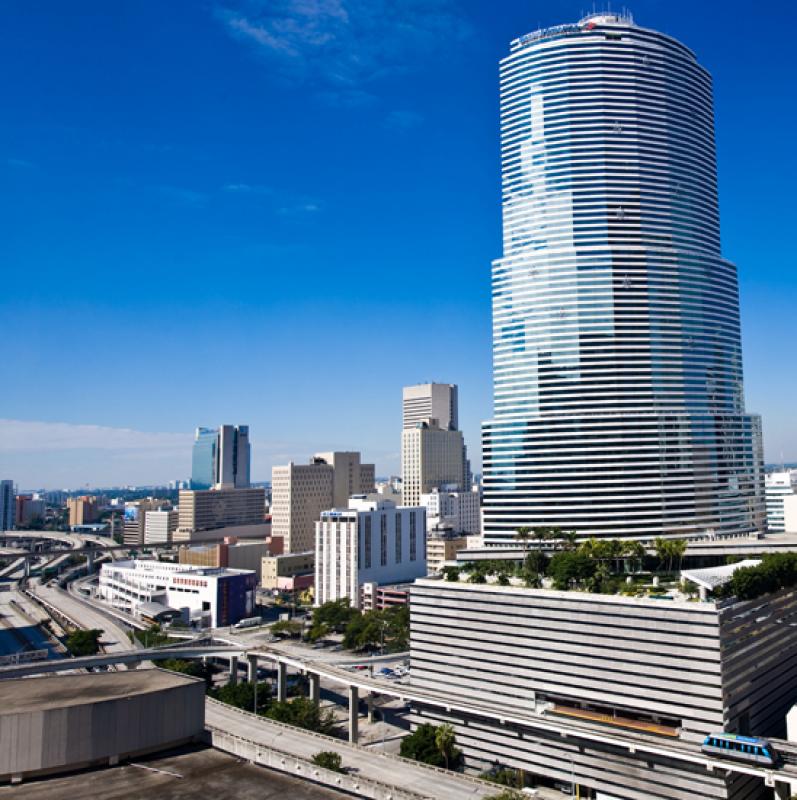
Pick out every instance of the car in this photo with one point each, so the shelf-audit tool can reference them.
(360, 666)
(386, 671)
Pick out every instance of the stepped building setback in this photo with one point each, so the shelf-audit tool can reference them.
(618, 396)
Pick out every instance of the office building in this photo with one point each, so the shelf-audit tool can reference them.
(28, 510)
(288, 565)
(660, 670)
(135, 519)
(203, 458)
(230, 553)
(371, 541)
(221, 458)
(452, 510)
(431, 457)
(442, 546)
(234, 510)
(430, 401)
(349, 476)
(300, 492)
(160, 525)
(7, 506)
(618, 395)
(82, 510)
(777, 487)
(206, 597)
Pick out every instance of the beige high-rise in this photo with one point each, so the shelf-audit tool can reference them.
(430, 401)
(431, 458)
(300, 492)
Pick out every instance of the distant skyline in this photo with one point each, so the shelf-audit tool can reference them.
(244, 212)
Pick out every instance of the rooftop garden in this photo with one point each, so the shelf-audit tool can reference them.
(554, 559)
(775, 572)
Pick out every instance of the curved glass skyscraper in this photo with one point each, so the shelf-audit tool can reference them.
(619, 406)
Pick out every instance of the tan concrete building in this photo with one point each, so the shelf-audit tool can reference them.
(431, 458)
(300, 492)
(233, 555)
(82, 510)
(285, 566)
(206, 510)
(441, 547)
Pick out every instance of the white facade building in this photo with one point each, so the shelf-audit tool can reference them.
(209, 597)
(777, 487)
(453, 510)
(370, 541)
(159, 526)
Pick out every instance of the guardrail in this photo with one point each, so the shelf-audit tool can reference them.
(477, 783)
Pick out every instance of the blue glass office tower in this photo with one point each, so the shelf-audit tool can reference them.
(203, 458)
(619, 406)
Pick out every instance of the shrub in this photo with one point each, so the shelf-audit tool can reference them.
(328, 759)
(83, 643)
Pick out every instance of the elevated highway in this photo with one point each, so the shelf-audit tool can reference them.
(357, 682)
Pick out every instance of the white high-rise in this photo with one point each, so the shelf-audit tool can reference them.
(619, 406)
(777, 487)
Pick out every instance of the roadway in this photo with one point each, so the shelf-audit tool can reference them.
(114, 638)
(424, 781)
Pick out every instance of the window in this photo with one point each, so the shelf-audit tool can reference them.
(383, 540)
(413, 537)
(367, 542)
(398, 538)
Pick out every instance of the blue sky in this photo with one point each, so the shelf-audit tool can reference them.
(278, 212)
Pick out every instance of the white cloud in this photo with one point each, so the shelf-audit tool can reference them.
(341, 45)
(18, 436)
(246, 188)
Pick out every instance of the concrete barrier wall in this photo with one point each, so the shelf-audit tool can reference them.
(271, 757)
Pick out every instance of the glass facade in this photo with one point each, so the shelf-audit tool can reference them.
(619, 407)
(203, 458)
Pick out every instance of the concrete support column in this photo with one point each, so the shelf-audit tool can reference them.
(233, 670)
(282, 682)
(354, 710)
(251, 669)
(27, 568)
(315, 687)
(369, 700)
(89, 563)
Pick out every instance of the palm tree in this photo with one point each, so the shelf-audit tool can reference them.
(523, 535)
(445, 739)
(569, 540)
(679, 548)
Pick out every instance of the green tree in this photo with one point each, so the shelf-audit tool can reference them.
(287, 627)
(329, 759)
(303, 713)
(451, 573)
(445, 740)
(242, 695)
(335, 614)
(421, 745)
(83, 642)
(507, 794)
(534, 565)
(567, 567)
